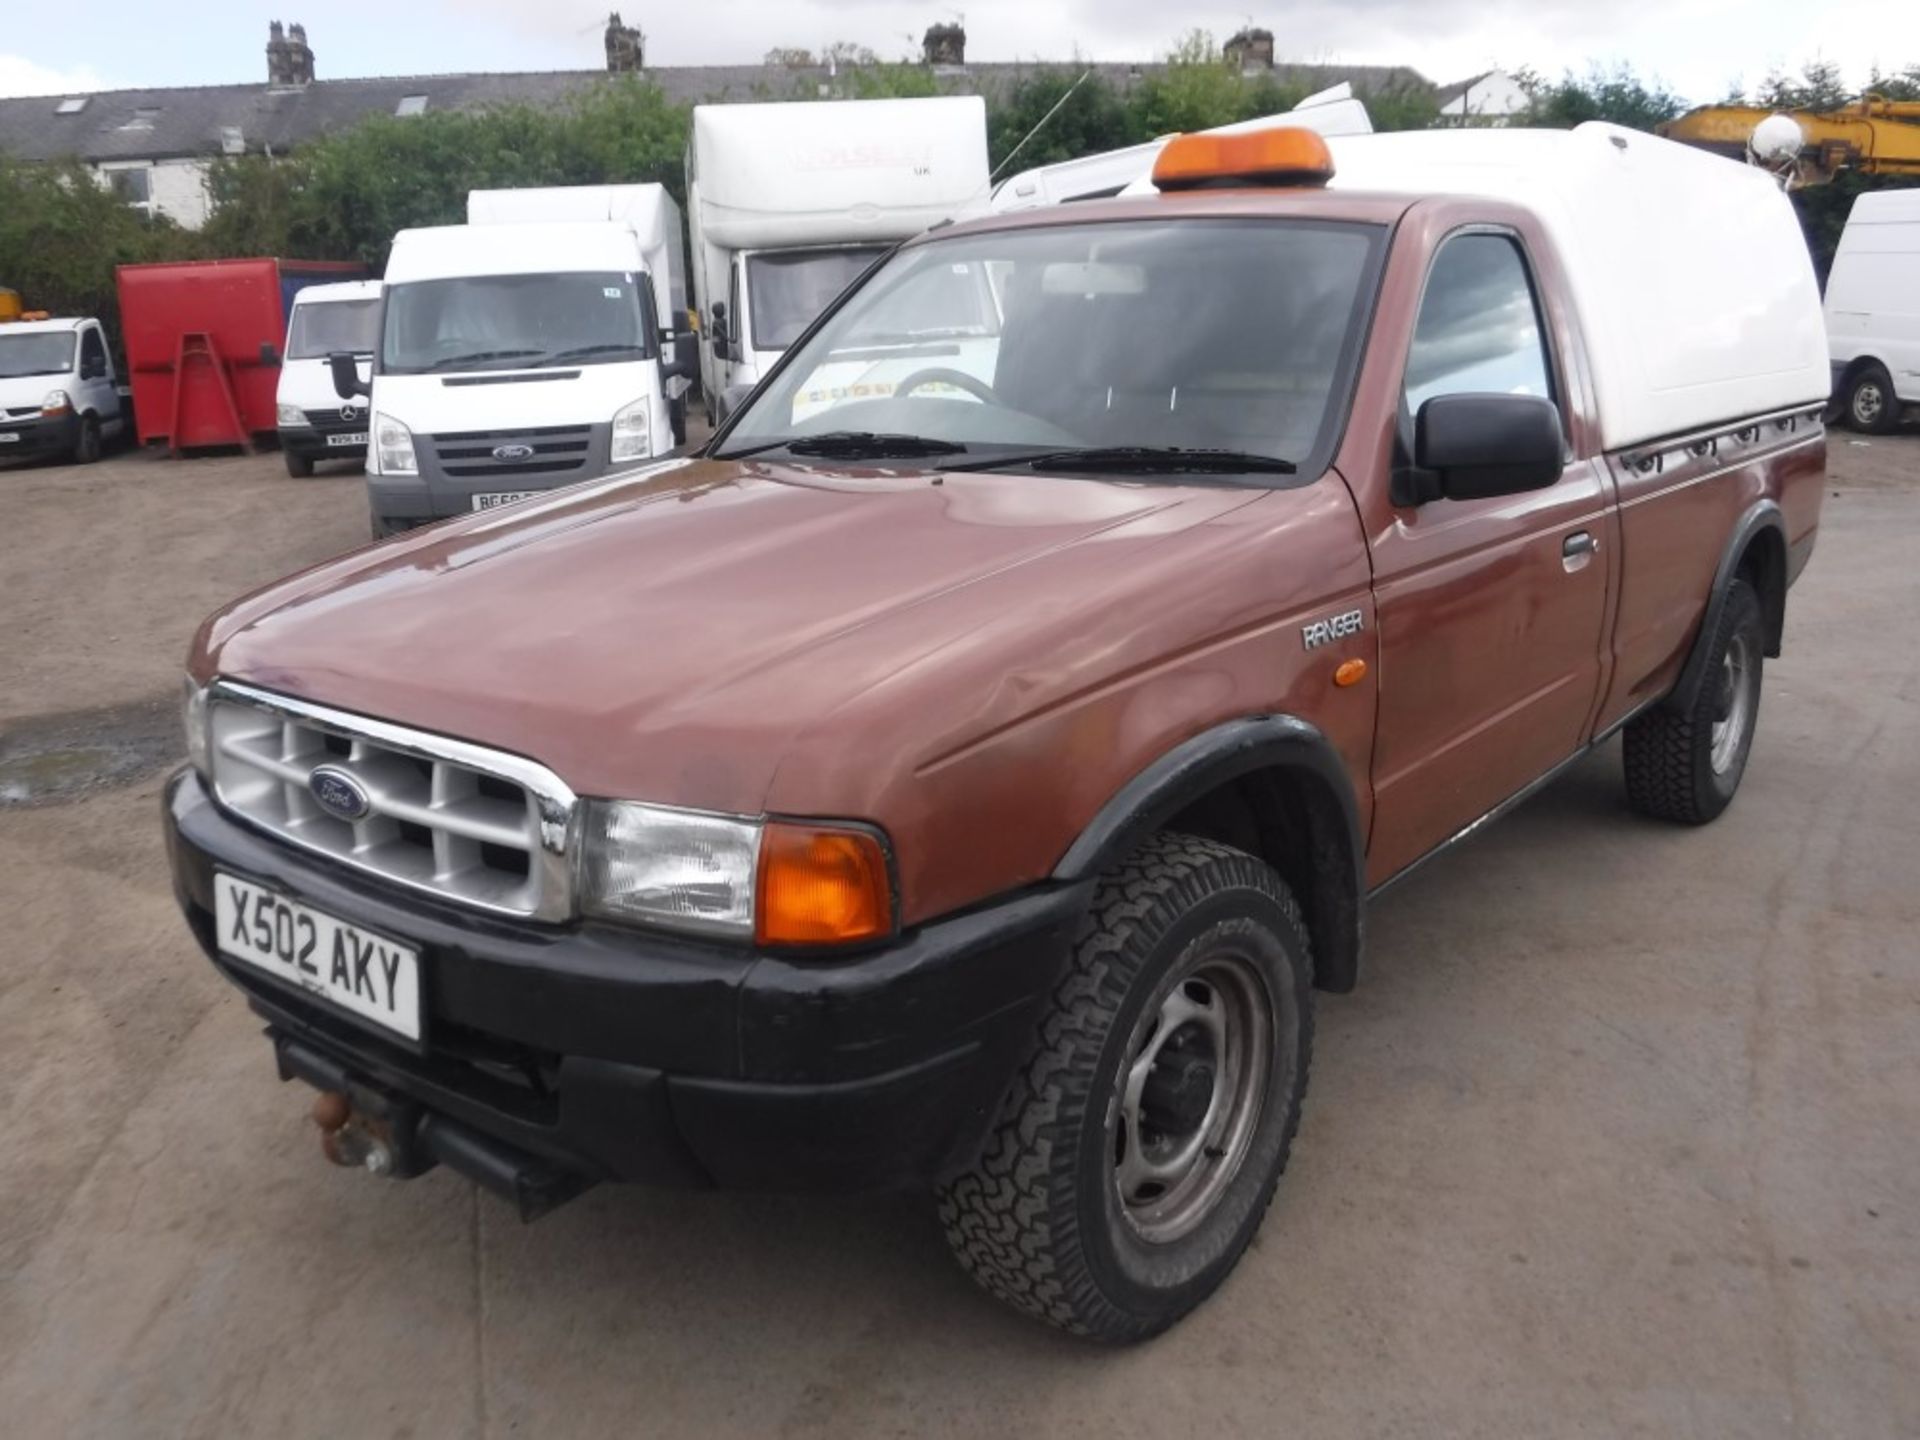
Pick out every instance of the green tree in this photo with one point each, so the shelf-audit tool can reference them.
(1616, 95)
(63, 235)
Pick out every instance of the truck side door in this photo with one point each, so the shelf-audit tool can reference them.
(98, 396)
(1491, 612)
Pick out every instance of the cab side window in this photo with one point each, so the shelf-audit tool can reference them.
(93, 355)
(1479, 329)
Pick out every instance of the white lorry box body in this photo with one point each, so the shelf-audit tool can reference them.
(788, 203)
(314, 421)
(1690, 273)
(1873, 309)
(514, 357)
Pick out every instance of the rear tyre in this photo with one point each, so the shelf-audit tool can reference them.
(298, 466)
(1871, 406)
(86, 449)
(1686, 765)
(1141, 1139)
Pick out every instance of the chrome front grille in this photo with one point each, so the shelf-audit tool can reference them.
(477, 826)
(504, 454)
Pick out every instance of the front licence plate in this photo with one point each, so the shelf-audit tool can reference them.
(10, 438)
(501, 497)
(356, 437)
(346, 966)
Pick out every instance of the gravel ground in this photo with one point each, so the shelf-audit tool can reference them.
(1617, 1136)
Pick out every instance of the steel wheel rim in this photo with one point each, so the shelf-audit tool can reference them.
(1173, 1159)
(1867, 403)
(1730, 729)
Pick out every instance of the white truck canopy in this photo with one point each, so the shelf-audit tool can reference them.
(835, 171)
(647, 211)
(1689, 272)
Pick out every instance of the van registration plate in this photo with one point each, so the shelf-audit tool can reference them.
(349, 968)
(9, 437)
(494, 499)
(352, 437)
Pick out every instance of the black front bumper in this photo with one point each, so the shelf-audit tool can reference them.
(314, 441)
(40, 437)
(607, 1053)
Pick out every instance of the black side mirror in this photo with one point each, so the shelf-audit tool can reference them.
(92, 368)
(681, 356)
(347, 383)
(1474, 447)
(717, 330)
(268, 354)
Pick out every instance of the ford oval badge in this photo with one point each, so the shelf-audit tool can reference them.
(338, 793)
(513, 452)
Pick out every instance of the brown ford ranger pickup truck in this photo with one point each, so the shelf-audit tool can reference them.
(964, 771)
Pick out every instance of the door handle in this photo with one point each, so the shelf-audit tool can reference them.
(1577, 549)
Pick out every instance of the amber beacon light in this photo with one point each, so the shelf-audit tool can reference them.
(1284, 155)
(821, 885)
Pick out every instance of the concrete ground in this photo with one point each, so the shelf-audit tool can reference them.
(1620, 1134)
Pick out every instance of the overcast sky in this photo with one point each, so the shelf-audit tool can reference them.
(1699, 47)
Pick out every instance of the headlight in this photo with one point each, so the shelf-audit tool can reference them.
(56, 403)
(393, 444)
(633, 432)
(775, 882)
(676, 868)
(193, 718)
(291, 415)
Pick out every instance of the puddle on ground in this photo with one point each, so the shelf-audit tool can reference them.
(54, 758)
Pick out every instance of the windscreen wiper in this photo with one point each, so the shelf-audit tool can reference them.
(852, 445)
(477, 356)
(580, 352)
(1142, 459)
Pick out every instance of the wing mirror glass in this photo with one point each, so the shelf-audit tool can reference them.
(347, 383)
(1474, 447)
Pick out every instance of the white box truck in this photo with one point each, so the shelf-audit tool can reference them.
(1873, 310)
(789, 203)
(542, 343)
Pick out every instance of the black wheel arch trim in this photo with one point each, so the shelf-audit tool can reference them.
(1226, 753)
(1760, 519)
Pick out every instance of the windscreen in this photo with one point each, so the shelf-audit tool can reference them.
(515, 322)
(1224, 334)
(44, 352)
(787, 291)
(321, 327)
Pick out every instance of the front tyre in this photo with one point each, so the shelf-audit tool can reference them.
(1143, 1135)
(86, 448)
(1685, 765)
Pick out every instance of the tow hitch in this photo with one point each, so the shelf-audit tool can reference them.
(365, 1127)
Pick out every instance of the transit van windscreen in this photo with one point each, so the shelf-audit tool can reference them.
(516, 322)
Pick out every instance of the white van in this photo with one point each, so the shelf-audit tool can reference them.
(515, 358)
(1873, 310)
(314, 422)
(790, 202)
(58, 392)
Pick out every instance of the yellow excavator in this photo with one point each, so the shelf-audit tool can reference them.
(1873, 135)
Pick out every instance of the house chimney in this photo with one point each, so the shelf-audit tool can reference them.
(945, 45)
(279, 60)
(299, 55)
(1250, 51)
(626, 47)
